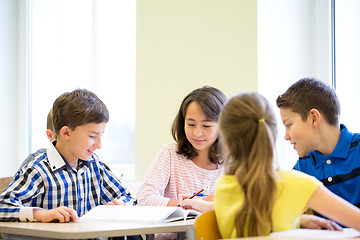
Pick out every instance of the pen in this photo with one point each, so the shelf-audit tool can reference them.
(201, 195)
(195, 194)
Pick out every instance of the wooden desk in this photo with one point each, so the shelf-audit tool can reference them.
(91, 229)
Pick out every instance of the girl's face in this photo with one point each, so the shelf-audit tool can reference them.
(199, 130)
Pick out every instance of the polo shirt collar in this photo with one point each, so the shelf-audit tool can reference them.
(341, 149)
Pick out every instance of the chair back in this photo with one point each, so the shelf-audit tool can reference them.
(4, 183)
(206, 227)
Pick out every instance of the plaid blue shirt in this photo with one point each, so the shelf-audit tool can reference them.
(48, 182)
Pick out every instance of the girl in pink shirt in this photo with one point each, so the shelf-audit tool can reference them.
(193, 162)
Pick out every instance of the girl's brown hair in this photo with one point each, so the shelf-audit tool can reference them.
(211, 101)
(248, 129)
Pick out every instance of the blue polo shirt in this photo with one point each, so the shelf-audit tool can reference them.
(340, 170)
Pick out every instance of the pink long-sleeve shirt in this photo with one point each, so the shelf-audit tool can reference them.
(171, 174)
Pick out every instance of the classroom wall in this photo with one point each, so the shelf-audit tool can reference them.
(8, 89)
(183, 45)
(294, 41)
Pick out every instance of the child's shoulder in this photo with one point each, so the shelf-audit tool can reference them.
(168, 148)
(294, 177)
(169, 152)
(35, 158)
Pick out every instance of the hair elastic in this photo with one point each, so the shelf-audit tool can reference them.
(261, 120)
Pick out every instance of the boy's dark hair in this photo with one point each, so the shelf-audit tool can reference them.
(77, 108)
(309, 93)
(211, 101)
(49, 121)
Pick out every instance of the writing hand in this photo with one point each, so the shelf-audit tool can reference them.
(197, 204)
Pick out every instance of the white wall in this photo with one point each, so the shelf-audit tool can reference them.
(293, 42)
(8, 89)
(14, 145)
(183, 45)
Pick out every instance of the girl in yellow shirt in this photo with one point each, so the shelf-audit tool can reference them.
(253, 198)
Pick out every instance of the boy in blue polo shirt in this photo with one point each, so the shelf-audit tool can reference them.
(310, 112)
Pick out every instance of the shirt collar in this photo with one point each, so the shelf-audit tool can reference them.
(341, 149)
(55, 159)
(58, 162)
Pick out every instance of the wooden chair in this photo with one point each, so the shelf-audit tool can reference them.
(206, 227)
(4, 183)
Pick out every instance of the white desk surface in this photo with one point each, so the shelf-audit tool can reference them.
(91, 229)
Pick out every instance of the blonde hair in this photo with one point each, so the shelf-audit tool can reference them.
(248, 128)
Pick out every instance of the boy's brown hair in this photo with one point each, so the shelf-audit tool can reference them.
(310, 93)
(77, 108)
(49, 121)
(211, 101)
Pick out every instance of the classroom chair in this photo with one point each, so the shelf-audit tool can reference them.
(206, 227)
(4, 183)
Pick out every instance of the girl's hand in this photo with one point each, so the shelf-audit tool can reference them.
(184, 196)
(60, 214)
(206, 198)
(197, 204)
(315, 222)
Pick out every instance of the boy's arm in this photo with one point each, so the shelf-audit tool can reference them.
(60, 214)
(15, 201)
(113, 189)
(151, 191)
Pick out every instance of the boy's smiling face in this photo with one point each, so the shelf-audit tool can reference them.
(300, 133)
(84, 140)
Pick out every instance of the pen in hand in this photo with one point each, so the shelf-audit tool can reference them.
(195, 194)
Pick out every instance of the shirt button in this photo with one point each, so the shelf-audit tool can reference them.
(329, 179)
(328, 161)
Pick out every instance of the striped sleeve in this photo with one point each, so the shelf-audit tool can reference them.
(151, 192)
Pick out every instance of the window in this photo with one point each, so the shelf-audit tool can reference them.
(85, 44)
(294, 41)
(347, 61)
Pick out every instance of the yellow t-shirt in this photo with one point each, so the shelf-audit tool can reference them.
(294, 191)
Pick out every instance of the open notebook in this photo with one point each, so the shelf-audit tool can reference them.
(158, 214)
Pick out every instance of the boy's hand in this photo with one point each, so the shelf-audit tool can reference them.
(116, 202)
(60, 214)
(315, 222)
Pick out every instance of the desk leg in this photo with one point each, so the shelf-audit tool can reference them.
(150, 236)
